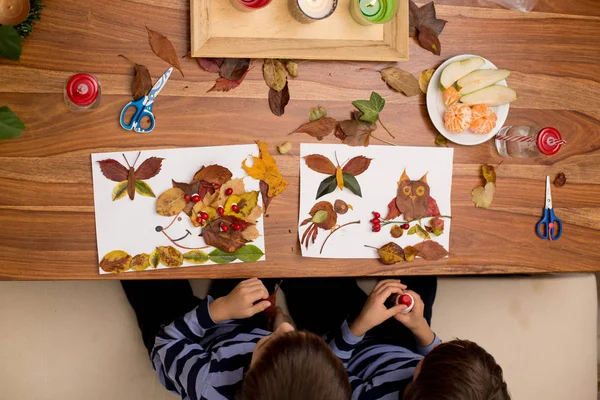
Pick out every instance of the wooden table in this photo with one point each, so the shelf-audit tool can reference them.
(46, 203)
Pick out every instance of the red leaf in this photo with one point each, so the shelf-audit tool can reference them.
(393, 211)
(225, 85)
(149, 168)
(432, 208)
(113, 170)
(264, 190)
(210, 64)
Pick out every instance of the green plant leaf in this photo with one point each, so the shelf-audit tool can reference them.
(249, 253)
(10, 43)
(327, 186)
(221, 257)
(10, 125)
(369, 112)
(412, 230)
(351, 183)
(195, 257)
(120, 190)
(144, 189)
(377, 101)
(319, 217)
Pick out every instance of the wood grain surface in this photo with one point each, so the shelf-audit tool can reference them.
(47, 226)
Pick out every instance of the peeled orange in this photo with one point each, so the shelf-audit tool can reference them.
(450, 96)
(483, 119)
(457, 118)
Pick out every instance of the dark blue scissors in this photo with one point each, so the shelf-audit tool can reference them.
(143, 107)
(549, 227)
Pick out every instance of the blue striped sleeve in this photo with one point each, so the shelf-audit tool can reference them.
(344, 343)
(424, 350)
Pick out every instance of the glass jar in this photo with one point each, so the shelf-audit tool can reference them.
(520, 141)
(82, 92)
(367, 12)
(249, 5)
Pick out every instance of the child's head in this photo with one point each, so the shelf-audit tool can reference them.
(458, 370)
(294, 365)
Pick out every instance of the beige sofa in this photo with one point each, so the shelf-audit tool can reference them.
(79, 340)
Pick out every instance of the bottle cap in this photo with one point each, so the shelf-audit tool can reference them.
(82, 89)
(549, 141)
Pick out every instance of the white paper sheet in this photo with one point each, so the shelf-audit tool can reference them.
(379, 187)
(131, 225)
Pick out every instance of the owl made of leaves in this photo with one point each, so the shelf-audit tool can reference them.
(412, 197)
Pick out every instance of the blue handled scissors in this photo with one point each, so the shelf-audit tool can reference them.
(143, 107)
(549, 227)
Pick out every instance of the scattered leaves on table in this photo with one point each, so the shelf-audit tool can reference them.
(424, 79)
(441, 141)
(317, 113)
(400, 81)
(560, 179)
(234, 69)
(163, 48)
(430, 250)
(278, 100)
(115, 261)
(274, 74)
(142, 81)
(396, 231)
(390, 253)
(284, 147)
(265, 169)
(319, 128)
(424, 19)
(131, 180)
(10, 125)
(210, 64)
(341, 177)
(225, 85)
(483, 196)
(10, 43)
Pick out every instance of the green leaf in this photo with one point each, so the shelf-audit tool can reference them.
(249, 253)
(195, 257)
(319, 217)
(422, 233)
(119, 191)
(351, 183)
(10, 43)
(327, 186)
(142, 188)
(377, 101)
(221, 257)
(369, 112)
(412, 230)
(10, 125)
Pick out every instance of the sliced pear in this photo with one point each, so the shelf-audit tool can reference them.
(456, 70)
(480, 79)
(495, 95)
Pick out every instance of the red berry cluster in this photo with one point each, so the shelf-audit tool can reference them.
(376, 221)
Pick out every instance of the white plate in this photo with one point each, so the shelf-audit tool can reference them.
(436, 107)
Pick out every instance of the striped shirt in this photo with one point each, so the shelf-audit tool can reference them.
(200, 359)
(376, 370)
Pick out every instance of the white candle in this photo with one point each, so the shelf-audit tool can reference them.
(311, 10)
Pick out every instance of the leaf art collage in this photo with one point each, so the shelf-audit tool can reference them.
(391, 203)
(182, 207)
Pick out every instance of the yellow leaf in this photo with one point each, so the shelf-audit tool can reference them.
(170, 202)
(170, 256)
(200, 207)
(339, 177)
(265, 169)
(141, 262)
(246, 203)
(119, 191)
(238, 187)
(116, 261)
(483, 196)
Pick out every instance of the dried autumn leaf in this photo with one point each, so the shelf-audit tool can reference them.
(141, 262)
(195, 257)
(483, 196)
(401, 81)
(489, 173)
(278, 100)
(318, 129)
(292, 68)
(320, 164)
(424, 17)
(274, 74)
(229, 241)
(429, 41)
(225, 85)
(116, 261)
(163, 48)
(410, 253)
(441, 141)
(390, 253)
(171, 202)
(397, 231)
(265, 168)
(430, 250)
(317, 113)
(355, 133)
(284, 147)
(170, 256)
(264, 190)
(149, 168)
(357, 165)
(340, 207)
(560, 179)
(233, 69)
(424, 79)
(215, 174)
(210, 64)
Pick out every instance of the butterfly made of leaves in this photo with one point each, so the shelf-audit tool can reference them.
(131, 180)
(341, 177)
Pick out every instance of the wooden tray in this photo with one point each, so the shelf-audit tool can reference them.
(219, 30)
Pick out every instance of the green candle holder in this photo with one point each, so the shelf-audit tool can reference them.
(368, 12)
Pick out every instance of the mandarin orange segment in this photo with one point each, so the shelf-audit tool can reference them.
(457, 118)
(483, 119)
(450, 96)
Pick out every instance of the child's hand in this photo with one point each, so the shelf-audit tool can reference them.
(374, 311)
(240, 303)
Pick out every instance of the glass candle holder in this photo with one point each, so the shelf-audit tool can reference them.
(308, 11)
(367, 12)
(249, 5)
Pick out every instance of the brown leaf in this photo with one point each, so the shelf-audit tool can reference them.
(320, 164)
(278, 100)
(560, 179)
(214, 174)
(429, 41)
(355, 133)
(357, 165)
(424, 17)
(171, 202)
(210, 64)
(318, 129)
(401, 81)
(113, 170)
(397, 231)
(234, 69)
(390, 253)
(264, 190)
(149, 168)
(483, 196)
(489, 173)
(225, 85)
(115, 261)
(163, 48)
(430, 250)
(229, 241)
(274, 74)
